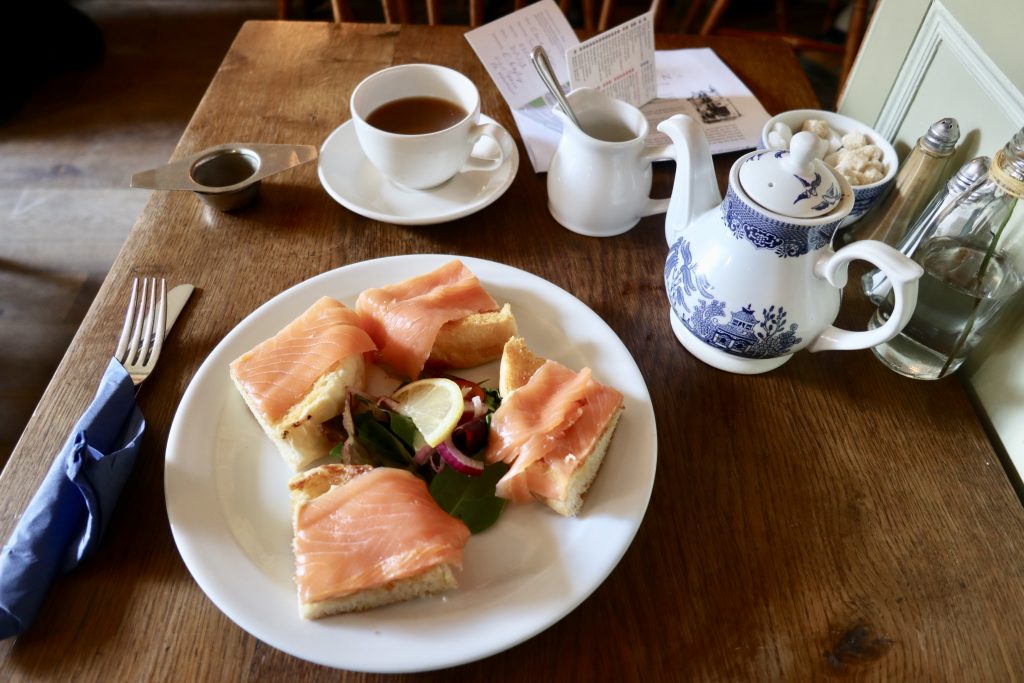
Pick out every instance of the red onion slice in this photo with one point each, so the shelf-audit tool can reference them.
(479, 409)
(472, 410)
(346, 416)
(388, 403)
(422, 454)
(457, 460)
(436, 461)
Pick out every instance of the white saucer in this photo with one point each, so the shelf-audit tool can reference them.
(355, 183)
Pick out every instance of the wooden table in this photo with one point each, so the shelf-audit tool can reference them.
(825, 519)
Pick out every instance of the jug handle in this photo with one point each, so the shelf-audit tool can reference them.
(666, 152)
(901, 271)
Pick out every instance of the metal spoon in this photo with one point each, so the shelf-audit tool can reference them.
(547, 74)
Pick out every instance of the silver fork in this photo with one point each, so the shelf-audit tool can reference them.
(142, 335)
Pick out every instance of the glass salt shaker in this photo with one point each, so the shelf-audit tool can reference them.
(953, 205)
(973, 266)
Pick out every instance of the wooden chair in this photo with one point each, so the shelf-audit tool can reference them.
(604, 21)
(400, 12)
(854, 35)
(340, 10)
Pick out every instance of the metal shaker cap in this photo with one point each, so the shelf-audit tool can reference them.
(942, 136)
(1013, 156)
(968, 174)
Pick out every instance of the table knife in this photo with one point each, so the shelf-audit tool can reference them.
(176, 300)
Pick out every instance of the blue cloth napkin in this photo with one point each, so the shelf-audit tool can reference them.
(71, 510)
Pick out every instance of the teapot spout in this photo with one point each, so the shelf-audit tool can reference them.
(695, 189)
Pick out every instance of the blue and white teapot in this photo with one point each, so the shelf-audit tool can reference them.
(752, 278)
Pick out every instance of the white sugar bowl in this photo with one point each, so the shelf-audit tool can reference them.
(865, 195)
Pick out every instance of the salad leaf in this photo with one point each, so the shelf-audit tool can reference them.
(380, 440)
(470, 499)
(351, 452)
(404, 429)
(382, 437)
(492, 398)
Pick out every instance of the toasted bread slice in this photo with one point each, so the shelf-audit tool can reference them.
(302, 376)
(583, 477)
(437, 580)
(297, 435)
(474, 340)
(518, 365)
(306, 487)
(443, 319)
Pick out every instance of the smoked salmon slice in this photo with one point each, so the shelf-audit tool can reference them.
(547, 428)
(380, 527)
(279, 372)
(403, 319)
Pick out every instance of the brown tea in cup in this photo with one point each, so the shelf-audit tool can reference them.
(425, 97)
(416, 115)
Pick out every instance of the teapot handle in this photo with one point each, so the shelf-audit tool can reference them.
(901, 271)
(666, 152)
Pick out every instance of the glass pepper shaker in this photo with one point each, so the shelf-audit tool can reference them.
(973, 266)
(953, 205)
(922, 172)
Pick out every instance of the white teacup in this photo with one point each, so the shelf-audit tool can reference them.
(424, 160)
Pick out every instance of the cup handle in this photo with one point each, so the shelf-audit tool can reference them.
(660, 153)
(497, 133)
(902, 273)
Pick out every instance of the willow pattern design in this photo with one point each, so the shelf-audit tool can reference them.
(739, 332)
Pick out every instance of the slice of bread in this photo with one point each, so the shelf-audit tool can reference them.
(307, 486)
(583, 477)
(474, 340)
(518, 364)
(434, 581)
(298, 435)
(301, 377)
(314, 483)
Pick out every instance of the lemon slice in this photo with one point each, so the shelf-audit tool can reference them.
(434, 405)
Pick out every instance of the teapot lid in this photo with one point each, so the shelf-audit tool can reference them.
(793, 183)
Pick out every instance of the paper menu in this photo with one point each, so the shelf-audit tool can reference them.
(619, 61)
(696, 82)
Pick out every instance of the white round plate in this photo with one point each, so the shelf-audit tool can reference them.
(355, 183)
(227, 498)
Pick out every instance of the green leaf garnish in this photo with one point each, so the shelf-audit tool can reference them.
(470, 499)
(379, 439)
(405, 429)
(492, 398)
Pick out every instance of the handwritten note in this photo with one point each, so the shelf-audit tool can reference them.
(504, 47)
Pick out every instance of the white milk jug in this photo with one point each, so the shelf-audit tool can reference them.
(599, 180)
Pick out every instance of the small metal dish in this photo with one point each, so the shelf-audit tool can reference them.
(226, 177)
